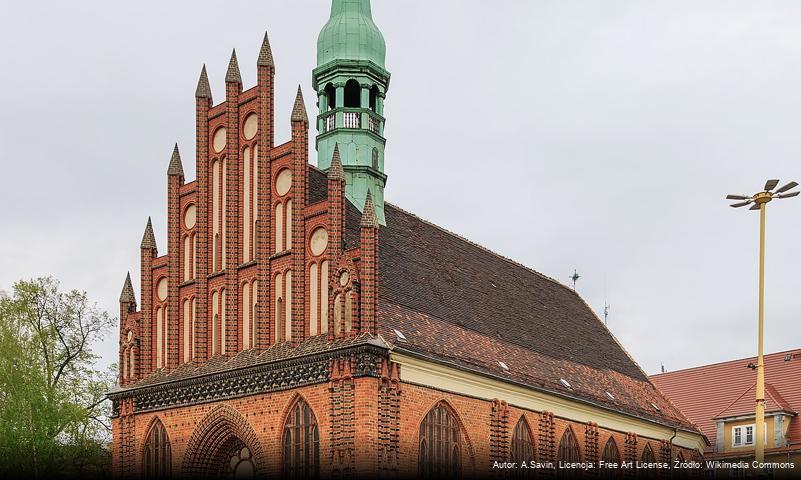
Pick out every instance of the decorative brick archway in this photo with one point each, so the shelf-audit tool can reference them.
(219, 436)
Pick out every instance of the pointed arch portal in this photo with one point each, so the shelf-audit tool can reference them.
(223, 445)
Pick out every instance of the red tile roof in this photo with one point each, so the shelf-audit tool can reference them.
(744, 405)
(464, 304)
(727, 389)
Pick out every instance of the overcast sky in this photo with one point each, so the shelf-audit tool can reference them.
(597, 136)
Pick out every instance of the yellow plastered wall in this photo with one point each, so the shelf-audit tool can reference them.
(728, 434)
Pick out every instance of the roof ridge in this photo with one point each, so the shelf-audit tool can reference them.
(776, 354)
(482, 247)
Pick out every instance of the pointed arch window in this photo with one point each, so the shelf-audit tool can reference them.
(440, 444)
(301, 443)
(568, 452)
(647, 455)
(522, 448)
(610, 455)
(158, 454)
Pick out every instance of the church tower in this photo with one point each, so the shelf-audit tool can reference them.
(351, 82)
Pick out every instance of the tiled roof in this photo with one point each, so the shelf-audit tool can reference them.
(744, 404)
(464, 348)
(727, 389)
(430, 270)
(251, 358)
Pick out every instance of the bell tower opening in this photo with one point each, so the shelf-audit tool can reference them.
(351, 83)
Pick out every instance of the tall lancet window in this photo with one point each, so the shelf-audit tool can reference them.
(440, 444)
(157, 461)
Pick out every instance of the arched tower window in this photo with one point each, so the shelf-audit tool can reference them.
(331, 96)
(301, 443)
(353, 94)
(158, 455)
(568, 452)
(440, 444)
(374, 98)
(610, 455)
(522, 448)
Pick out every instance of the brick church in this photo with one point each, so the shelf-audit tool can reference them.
(298, 325)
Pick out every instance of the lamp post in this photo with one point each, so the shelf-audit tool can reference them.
(759, 202)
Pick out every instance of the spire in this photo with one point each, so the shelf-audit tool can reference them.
(233, 75)
(335, 171)
(203, 88)
(266, 54)
(127, 295)
(368, 216)
(299, 112)
(149, 240)
(175, 168)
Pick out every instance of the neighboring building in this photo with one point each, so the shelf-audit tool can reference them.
(720, 399)
(300, 326)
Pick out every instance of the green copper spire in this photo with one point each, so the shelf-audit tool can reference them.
(351, 84)
(351, 34)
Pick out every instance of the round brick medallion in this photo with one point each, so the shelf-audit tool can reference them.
(162, 289)
(283, 182)
(220, 139)
(190, 217)
(251, 126)
(319, 241)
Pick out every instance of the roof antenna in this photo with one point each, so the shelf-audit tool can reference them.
(575, 278)
(663, 368)
(606, 313)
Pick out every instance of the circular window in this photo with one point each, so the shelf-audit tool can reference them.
(283, 182)
(190, 217)
(219, 140)
(319, 241)
(344, 277)
(251, 126)
(162, 289)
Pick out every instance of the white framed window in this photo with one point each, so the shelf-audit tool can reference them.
(743, 435)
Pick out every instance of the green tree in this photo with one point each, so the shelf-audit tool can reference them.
(53, 412)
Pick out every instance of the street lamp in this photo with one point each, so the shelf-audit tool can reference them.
(760, 202)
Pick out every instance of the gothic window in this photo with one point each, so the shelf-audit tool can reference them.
(440, 444)
(522, 448)
(568, 451)
(610, 455)
(647, 454)
(301, 443)
(647, 457)
(157, 456)
(353, 94)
